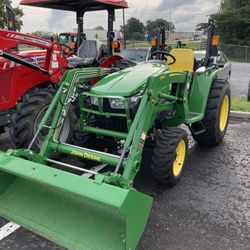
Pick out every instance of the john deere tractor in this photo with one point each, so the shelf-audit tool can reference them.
(98, 208)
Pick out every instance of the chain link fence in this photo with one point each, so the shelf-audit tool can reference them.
(236, 53)
(195, 45)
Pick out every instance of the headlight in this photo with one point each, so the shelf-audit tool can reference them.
(94, 100)
(134, 100)
(116, 103)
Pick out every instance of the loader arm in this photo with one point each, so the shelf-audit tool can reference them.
(10, 39)
(16, 59)
(54, 61)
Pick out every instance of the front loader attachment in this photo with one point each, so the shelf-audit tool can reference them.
(100, 212)
(73, 211)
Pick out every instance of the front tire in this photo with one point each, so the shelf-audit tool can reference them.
(2, 130)
(25, 121)
(216, 116)
(169, 156)
(84, 140)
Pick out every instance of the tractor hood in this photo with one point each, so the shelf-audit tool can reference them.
(127, 82)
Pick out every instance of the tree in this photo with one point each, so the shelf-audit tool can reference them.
(227, 5)
(3, 16)
(233, 22)
(134, 29)
(151, 26)
(201, 27)
(138, 36)
(99, 28)
(43, 34)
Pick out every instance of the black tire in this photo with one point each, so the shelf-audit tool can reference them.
(4, 120)
(214, 132)
(84, 140)
(27, 116)
(2, 130)
(165, 156)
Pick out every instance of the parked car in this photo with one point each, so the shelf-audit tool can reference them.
(137, 55)
(222, 61)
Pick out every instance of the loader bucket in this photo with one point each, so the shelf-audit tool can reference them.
(73, 211)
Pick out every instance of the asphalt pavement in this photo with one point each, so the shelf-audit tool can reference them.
(240, 79)
(208, 209)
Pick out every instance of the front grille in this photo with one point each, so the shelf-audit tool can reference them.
(118, 124)
(113, 123)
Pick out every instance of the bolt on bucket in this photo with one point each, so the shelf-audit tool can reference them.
(73, 211)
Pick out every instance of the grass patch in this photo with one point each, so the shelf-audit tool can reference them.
(138, 45)
(240, 104)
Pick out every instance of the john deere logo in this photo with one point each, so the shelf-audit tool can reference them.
(86, 155)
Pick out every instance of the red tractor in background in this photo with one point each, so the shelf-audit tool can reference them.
(23, 71)
(28, 78)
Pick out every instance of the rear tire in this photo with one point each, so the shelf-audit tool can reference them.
(27, 117)
(216, 116)
(169, 156)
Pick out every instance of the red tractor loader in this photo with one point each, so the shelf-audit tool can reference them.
(23, 72)
(27, 77)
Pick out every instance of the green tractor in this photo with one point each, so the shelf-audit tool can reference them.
(98, 208)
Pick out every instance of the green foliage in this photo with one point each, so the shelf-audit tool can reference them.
(227, 5)
(240, 104)
(138, 36)
(151, 26)
(134, 29)
(3, 16)
(201, 27)
(99, 28)
(233, 22)
(43, 34)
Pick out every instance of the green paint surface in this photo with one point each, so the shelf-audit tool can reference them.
(127, 82)
(70, 210)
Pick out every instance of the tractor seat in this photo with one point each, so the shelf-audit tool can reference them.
(87, 54)
(184, 60)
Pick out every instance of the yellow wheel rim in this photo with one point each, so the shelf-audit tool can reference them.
(180, 158)
(224, 113)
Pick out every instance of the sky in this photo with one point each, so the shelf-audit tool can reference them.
(185, 14)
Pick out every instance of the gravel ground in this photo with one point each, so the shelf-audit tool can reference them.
(240, 79)
(208, 209)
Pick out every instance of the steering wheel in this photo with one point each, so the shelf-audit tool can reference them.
(67, 51)
(164, 55)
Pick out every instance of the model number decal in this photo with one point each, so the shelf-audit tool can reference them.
(36, 60)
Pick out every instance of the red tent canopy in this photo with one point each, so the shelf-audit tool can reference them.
(89, 5)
